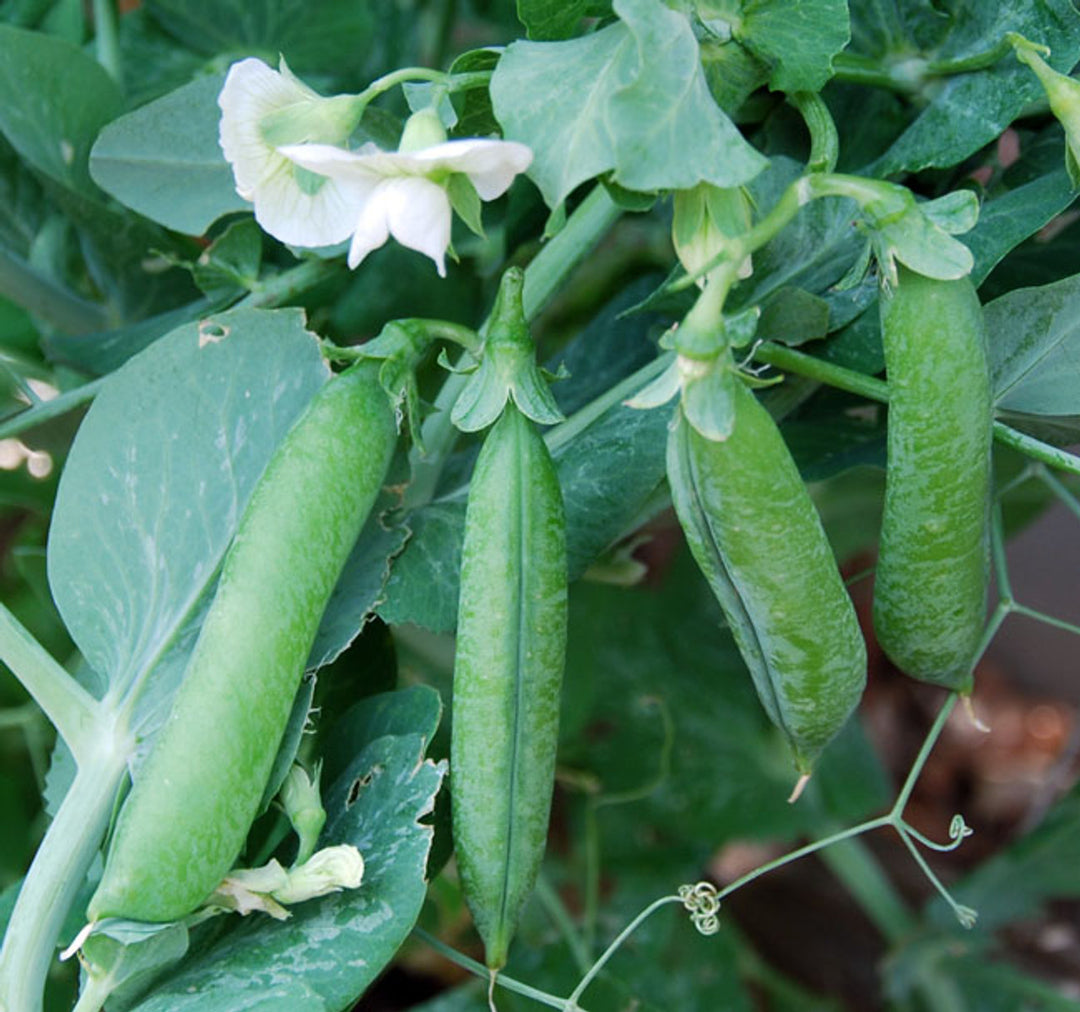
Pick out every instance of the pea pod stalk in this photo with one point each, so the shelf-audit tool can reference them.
(185, 821)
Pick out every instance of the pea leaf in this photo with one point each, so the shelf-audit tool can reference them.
(310, 34)
(968, 111)
(547, 20)
(1009, 219)
(158, 476)
(53, 101)
(333, 947)
(1034, 344)
(105, 351)
(631, 98)
(164, 159)
(361, 584)
(797, 39)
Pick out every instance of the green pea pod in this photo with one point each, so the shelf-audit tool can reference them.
(933, 568)
(756, 536)
(511, 643)
(185, 821)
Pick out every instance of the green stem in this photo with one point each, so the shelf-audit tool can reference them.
(481, 971)
(783, 357)
(44, 298)
(788, 359)
(1063, 493)
(289, 284)
(1052, 456)
(851, 68)
(967, 64)
(963, 914)
(920, 760)
(1057, 623)
(571, 1004)
(561, 255)
(909, 76)
(45, 411)
(810, 848)
(106, 39)
(824, 140)
(71, 709)
(55, 877)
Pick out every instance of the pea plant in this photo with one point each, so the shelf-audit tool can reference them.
(461, 462)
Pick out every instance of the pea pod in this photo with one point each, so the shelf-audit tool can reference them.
(184, 822)
(758, 540)
(511, 643)
(933, 567)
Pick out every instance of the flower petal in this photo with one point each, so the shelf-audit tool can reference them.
(420, 216)
(284, 210)
(490, 164)
(355, 167)
(372, 228)
(252, 90)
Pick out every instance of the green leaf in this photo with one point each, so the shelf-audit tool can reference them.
(631, 98)
(1009, 219)
(793, 316)
(968, 111)
(730, 771)
(105, 351)
(1034, 343)
(53, 101)
(416, 709)
(229, 267)
(361, 584)
(333, 947)
(549, 20)
(159, 474)
(124, 957)
(310, 34)
(164, 160)
(798, 39)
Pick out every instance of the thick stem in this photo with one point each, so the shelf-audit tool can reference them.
(106, 39)
(548, 270)
(824, 140)
(783, 357)
(42, 297)
(71, 709)
(55, 878)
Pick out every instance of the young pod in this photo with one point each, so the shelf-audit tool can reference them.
(511, 643)
(185, 821)
(933, 567)
(757, 537)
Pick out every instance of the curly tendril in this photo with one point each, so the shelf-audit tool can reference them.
(702, 902)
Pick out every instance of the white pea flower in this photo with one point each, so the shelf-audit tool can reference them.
(403, 193)
(261, 109)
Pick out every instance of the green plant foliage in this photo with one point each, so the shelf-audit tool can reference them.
(164, 161)
(692, 225)
(648, 61)
(203, 441)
